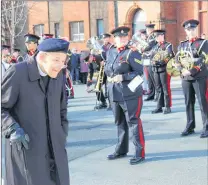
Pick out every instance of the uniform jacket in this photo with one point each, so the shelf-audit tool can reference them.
(24, 102)
(199, 50)
(128, 64)
(160, 65)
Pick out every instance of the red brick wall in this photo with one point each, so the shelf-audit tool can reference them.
(38, 14)
(76, 11)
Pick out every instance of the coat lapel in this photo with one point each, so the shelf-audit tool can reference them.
(34, 73)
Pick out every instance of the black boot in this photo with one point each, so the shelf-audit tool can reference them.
(136, 160)
(149, 99)
(166, 110)
(158, 110)
(187, 132)
(115, 156)
(101, 106)
(204, 134)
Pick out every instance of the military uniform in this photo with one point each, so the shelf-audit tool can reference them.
(195, 83)
(161, 55)
(31, 38)
(146, 55)
(126, 105)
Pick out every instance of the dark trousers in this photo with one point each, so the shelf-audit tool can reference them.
(162, 82)
(151, 82)
(127, 116)
(74, 74)
(100, 96)
(190, 88)
(84, 77)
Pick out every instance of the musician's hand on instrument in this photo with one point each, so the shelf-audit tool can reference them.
(186, 72)
(118, 78)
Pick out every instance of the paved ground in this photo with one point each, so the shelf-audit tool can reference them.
(170, 159)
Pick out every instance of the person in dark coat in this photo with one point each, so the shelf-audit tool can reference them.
(34, 118)
(194, 76)
(31, 43)
(75, 66)
(122, 66)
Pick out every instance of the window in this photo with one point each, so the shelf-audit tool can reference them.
(76, 31)
(100, 27)
(38, 29)
(56, 30)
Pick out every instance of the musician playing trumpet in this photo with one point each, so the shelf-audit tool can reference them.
(163, 52)
(191, 61)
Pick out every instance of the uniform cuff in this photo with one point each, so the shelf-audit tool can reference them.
(194, 70)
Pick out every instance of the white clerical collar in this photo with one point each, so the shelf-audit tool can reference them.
(40, 71)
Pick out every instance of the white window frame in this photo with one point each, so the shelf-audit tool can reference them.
(76, 37)
(41, 29)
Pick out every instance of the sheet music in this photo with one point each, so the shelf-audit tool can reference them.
(136, 82)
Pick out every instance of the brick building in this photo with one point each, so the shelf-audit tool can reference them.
(79, 20)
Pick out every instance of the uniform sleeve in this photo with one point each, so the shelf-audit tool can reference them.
(136, 66)
(201, 61)
(64, 120)
(9, 97)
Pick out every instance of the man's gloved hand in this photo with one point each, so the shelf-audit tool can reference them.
(19, 138)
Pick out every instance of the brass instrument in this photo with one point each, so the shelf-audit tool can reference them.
(185, 59)
(95, 46)
(161, 55)
(138, 42)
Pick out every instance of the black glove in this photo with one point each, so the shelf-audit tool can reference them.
(18, 137)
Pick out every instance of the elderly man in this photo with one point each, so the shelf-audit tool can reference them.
(34, 118)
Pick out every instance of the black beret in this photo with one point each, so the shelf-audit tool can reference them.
(150, 25)
(106, 35)
(120, 31)
(143, 31)
(192, 23)
(5, 47)
(31, 38)
(159, 32)
(47, 36)
(54, 45)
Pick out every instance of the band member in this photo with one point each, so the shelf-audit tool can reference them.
(122, 65)
(31, 42)
(161, 55)
(17, 55)
(146, 55)
(106, 46)
(5, 59)
(194, 75)
(143, 35)
(100, 95)
(34, 118)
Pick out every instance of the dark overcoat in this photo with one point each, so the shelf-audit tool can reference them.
(24, 102)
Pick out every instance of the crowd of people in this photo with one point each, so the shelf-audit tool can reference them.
(34, 96)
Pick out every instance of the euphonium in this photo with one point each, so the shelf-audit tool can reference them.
(139, 42)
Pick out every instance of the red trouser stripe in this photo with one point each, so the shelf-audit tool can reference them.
(146, 72)
(140, 129)
(169, 89)
(207, 91)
